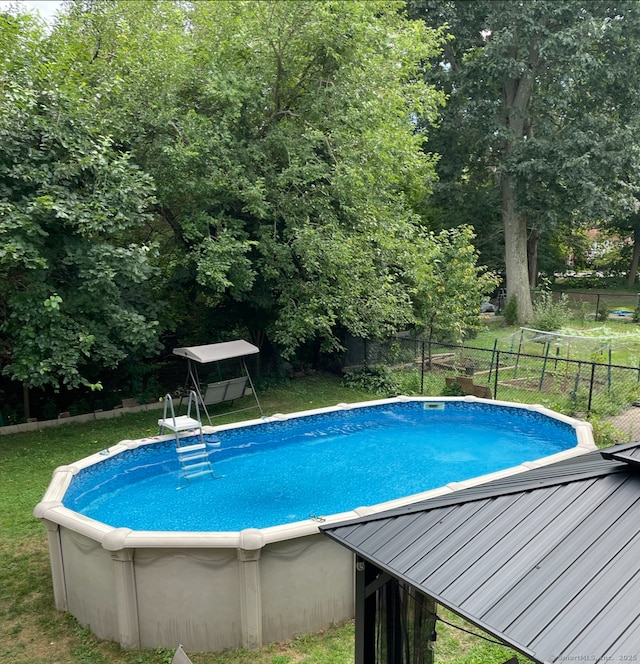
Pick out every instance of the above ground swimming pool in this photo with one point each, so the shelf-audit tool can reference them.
(149, 560)
(282, 472)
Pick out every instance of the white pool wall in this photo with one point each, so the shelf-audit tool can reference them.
(216, 590)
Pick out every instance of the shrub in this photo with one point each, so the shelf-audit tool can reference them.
(511, 311)
(605, 434)
(409, 382)
(453, 390)
(377, 380)
(583, 311)
(549, 313)
(594, 281)
(603, 311)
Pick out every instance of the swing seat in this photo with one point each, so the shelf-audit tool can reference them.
(225, 390)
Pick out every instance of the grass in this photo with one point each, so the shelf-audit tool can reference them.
(615, 389)
(625, 354)
(33, 632)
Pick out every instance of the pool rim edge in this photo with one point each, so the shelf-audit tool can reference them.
(51, 509)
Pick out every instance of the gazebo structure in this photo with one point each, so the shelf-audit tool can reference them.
(546, 561)
(222, 390)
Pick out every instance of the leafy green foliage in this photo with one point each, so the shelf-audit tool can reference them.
(283, 143)
(550, 313)
(453, 390)
(511, 311)
(603, 311)
(284, 149)
(449, 285)
(592, 281)
(74, 287)
(605, 433)
(541, 125)
(377, 379)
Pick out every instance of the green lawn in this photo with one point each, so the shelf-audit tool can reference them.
(33, 632)
(624, 352)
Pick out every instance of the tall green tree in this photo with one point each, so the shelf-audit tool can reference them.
(625, 231)
(283, 142)
(542, 98)
(450, 285)
(73, 285)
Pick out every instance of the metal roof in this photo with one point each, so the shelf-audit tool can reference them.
(216, 352)
(628, 453)
(548, 560)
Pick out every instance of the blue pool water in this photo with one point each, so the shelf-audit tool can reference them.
(281, 472)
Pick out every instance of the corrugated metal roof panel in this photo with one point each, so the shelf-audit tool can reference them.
(548, 560)
(629, 454)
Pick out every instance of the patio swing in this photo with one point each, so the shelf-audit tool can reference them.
(221, 391)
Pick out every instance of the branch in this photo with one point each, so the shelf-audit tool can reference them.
(170, 218)
(451, 58)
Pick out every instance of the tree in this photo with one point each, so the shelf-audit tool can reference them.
(284, 147)
(450, 286)
(624, 233)
(74, 288)
(541, 95)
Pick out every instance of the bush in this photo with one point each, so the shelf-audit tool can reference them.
(550, 314)
(603, 312)
(453, 390)
(377, 380)
(511, 311)
(583, 311)
(605, 434)
(409, 382)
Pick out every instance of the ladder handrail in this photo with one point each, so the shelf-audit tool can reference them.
(193, 459)
(168, 401)
(193, 399)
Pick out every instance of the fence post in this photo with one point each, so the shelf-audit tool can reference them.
(493, 355)
(515, 369)
(597, 305)
(576, 385)
(495, 376)
(544, 366)
(591, 381)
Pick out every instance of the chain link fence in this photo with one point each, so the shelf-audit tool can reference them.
(589, 305)
(606, 394)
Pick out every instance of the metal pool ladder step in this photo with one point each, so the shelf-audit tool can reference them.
(193, 458)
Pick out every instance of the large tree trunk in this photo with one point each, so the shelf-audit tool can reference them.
(516, 94)
(515, 243)
(633, 270)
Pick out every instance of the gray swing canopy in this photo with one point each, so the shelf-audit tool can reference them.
(225, 390)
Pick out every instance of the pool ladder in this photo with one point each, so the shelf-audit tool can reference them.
(194, 458)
